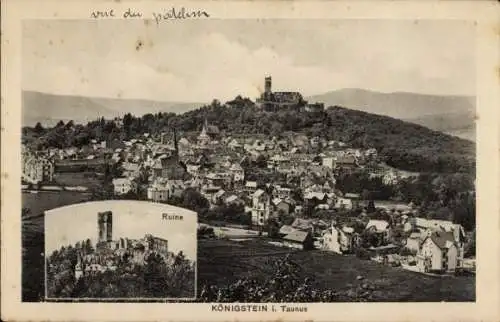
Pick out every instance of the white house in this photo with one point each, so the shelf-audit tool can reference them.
(338, 240)
(413, 241)
(329, 162)
(282, 192)
(123, 186)
(456, 230)
(438, 252)
(157, 192)
(380, 227)
(343, 203)
(250, 187)
(237, 172)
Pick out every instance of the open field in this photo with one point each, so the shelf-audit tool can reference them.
(221, 261)
(85, 179)
(33, 242)
(37, 203)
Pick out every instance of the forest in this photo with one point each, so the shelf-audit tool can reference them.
(402, 145)
(155, 279)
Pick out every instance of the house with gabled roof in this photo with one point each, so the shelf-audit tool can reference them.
(438, 252)
(282, 205)
(414, 240)
(299, 239)
(381, 228)
(233, 199)
(346, 162)
(250, 187)
(338, 239)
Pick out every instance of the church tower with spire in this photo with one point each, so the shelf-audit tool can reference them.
(204, 138)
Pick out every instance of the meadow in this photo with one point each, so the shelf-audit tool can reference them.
(221, 262)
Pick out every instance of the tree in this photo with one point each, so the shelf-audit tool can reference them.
(273, 228)
(88, 246)
(70, 124)
(470, 247)
(154, 276)
(401, 145)
(261, 161)
(39, 128)
(193, 200)
(276, 128)
(371, 207)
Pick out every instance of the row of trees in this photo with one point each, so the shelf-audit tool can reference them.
(435, 196)
(155, 279)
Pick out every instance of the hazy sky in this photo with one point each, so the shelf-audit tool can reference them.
(68, 225)
(205, 59)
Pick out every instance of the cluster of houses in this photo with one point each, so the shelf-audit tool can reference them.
(292, 177)
(426, 245)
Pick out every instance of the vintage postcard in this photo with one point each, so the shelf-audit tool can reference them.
(250, 161)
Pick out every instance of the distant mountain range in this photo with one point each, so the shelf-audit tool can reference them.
(449, 114)
(48, 109)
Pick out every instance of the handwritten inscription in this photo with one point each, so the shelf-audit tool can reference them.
(169, 14)
(181, 13)
(110, 13)
(131, 13)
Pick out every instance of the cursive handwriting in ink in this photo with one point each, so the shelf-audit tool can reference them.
(168, 14)
(102, 14)
(130, 13)
(181, 13)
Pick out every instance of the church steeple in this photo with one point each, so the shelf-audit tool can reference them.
(204, 138)
(205, 126)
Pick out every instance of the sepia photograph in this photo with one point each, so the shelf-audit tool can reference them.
(321, 167)
(120, 249)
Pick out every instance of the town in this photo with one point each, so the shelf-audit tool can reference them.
(292, 191)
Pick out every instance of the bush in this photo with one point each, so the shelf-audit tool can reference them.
(288, 285)
(363, 254)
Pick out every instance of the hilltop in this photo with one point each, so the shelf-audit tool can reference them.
(401, 144)
(448, 114)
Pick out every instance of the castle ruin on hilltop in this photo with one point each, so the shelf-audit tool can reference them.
(273, 101)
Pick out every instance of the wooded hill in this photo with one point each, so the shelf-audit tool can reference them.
(401, 144)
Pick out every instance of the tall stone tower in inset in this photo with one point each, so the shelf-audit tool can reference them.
(105, 224)
(268, 86)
